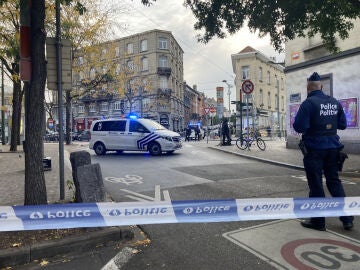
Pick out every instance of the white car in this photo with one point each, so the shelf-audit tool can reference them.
(132, 135)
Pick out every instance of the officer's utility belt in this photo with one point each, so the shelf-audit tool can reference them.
(340, 158)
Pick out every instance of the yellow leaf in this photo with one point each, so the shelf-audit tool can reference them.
(44, 263)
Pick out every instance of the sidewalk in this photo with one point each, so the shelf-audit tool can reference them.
(277, 153)
(12, 179)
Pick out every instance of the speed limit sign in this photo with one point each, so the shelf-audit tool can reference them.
(247, 86)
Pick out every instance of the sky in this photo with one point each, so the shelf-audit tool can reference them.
(205, 65)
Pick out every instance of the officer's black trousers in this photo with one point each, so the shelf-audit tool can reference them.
(316, 162)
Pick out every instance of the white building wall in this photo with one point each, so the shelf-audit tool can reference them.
(345, 84)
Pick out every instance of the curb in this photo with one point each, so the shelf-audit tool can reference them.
(278, 163)
(287, 165)
(48, 249)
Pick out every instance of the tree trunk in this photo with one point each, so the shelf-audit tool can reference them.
(35, 188)
(16, 116)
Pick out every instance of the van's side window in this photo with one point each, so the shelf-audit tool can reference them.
(110, 126)
(137, 127)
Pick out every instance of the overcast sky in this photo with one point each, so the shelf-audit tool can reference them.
(205, 65)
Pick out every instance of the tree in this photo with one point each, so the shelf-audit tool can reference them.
(83, 29)
(10, 56)
(283, 20)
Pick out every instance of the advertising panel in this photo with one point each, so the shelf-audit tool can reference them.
(350, 106)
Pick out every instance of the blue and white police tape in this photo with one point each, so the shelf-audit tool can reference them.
(61, 216)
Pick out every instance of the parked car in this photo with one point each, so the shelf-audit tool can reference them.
(84, 135)
(74, 135)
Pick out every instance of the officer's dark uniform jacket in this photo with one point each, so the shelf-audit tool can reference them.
(318, 119)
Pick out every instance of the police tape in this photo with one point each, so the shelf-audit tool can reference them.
(76, 215)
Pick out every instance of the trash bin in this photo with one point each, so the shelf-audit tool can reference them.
(47, 163)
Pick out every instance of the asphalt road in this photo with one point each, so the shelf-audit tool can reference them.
(197, 173)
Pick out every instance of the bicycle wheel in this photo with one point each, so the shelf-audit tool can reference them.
(241, 143)
(261, 144)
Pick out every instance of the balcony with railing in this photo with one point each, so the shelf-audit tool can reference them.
(166, 71)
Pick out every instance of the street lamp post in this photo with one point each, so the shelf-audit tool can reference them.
(229, 92)
(278, 105)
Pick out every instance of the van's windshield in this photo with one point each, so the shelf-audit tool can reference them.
(151, 125)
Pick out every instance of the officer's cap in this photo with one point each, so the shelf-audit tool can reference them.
(315, 77)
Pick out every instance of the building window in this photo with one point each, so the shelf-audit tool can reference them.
(92, 108)
(81, 60)
(143, 45)
(245, 73)
(163, 43)
(276, 102)
(130, 48)
(163, 61)
(282, 84)
(260, 74)
(117, 106)
(103, 54)
(92, 73)
(144, 64)
(117, 51)
(261, 98)
(282, 103)
(104, 107)
(268, 77)
(146, 103)
(81, 109)
(130, 64)
(118, 69)
(163, 82)
(269, 100)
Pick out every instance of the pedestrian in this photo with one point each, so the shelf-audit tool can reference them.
(187, 134)
(225, 131)
(197, 133)
(318, 119)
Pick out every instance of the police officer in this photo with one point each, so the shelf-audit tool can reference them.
(318, 119)
(225, 131)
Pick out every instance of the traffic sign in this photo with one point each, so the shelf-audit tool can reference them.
(206, 110)
(247, 86)
(212, 110)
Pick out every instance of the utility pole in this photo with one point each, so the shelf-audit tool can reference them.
(2, 105)
(229, 92)
(278, 105)
(60, 99)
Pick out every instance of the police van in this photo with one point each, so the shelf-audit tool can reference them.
(132, 135)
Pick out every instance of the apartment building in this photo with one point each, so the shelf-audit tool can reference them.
(340, 79)
(265, 107)
(140, 74)
(194, 105)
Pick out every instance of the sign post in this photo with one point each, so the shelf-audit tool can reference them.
(247, 87)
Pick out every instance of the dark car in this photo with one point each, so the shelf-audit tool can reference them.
(74, 135)
(84, 135)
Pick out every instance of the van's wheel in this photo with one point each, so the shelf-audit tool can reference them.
(99, 149)
(154, 149)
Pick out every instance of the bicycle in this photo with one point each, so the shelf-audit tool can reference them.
(244, 142)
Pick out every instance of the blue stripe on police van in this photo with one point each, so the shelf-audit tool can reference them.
(205, 211)
(116, 214)
(59, 216)
(141, 144)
